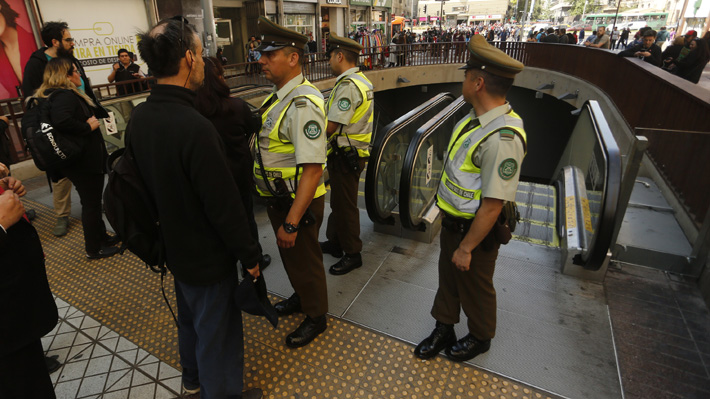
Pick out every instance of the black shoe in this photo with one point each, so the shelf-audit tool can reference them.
(265, 261)
(346, 264)
(467, 348)
(288, 306)
(328, 247)
(31, 214)
(104, 252)
(442, 337)
(306, 332)
(52, 363)
(110, 240)
(254, 393)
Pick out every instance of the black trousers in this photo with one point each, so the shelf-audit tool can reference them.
(90, 188)
(24, 375)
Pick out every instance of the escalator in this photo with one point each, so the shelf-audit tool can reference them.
(575, 211)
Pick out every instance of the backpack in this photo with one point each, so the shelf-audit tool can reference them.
(131, 211)
(50, 149)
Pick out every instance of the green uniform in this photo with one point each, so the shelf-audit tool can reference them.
(350, 104)
(292, 134)
(483, 161)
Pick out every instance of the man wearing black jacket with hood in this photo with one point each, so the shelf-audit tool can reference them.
(57, 37)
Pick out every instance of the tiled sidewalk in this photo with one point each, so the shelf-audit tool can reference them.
(98, 363)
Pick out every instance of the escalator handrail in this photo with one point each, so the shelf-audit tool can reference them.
(601, 240)
(420, 137)
(381, 140)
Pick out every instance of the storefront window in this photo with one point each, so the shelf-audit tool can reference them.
(301, 23)
(358, 17)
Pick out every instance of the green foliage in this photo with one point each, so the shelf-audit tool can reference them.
(593, 6)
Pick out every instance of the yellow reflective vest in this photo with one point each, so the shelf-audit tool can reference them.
(459, 192)
(358, 133)
(279, 157)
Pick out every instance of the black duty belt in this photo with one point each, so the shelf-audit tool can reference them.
(456, 224)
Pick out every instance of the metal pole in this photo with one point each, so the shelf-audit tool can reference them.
(611, 33)
(525, 17)
(441, 13)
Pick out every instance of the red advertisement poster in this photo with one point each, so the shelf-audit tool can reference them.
(16, 45)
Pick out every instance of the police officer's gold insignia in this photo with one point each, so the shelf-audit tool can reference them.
(344, 104)
(507, 169)
(312, 130)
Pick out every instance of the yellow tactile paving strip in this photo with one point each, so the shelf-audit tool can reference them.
(347, 361)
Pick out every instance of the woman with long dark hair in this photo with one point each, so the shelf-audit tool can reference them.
(692, 65)
(235, 123)
(72, 115)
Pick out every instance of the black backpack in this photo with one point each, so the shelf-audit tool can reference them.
(131, 211)
(50, 150)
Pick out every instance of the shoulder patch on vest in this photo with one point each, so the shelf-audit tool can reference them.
(507, 135)
(312, 130)
(507, 168)
(344, 104)
(300, 103)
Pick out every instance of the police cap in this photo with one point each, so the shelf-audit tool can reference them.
(490, 59)
(276, 37)
(343, 43)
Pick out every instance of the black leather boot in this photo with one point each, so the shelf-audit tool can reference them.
(329, 247)
(289, 306)
(346, 264)
(467, 348)
(306, 332)
(254, 393)
(442, 337)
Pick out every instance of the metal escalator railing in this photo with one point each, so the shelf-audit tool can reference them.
(387, 155)
(424, 163)
(594, 151)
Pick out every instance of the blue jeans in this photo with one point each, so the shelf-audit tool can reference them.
(210, 338)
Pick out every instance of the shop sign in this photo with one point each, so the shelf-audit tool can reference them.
(382, 3)
(334, 1)
(361, 3)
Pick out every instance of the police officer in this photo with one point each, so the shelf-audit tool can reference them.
(289, 155)
(481, 172)
(349, 110)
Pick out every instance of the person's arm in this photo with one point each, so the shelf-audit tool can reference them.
(213, 182)
(62, 116)
(307, 185)
(11, 210)
(655, 57)
(32, 76)
(628, 52)
(482, 224)
(112, 76)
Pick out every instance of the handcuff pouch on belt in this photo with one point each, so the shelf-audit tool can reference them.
(351, 158)
(499, 234)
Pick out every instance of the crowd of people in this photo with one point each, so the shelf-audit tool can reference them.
(190, 143)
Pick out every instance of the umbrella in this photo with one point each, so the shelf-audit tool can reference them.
(251, 297)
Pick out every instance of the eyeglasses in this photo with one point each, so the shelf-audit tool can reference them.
(73, 71)
(183, 22)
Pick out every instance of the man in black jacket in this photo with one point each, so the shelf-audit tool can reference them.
(26, 303)
(57, 37)
(648, 50)
(181, 159)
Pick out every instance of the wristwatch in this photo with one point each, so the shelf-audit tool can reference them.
(290, 228)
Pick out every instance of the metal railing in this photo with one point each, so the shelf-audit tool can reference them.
(646, 96)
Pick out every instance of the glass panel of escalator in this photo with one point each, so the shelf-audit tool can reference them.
(387, 157)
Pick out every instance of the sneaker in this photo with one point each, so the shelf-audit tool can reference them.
(61, 227)
(104, 252)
